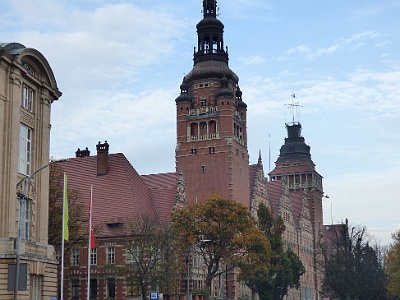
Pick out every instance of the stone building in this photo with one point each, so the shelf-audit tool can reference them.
(27, 90)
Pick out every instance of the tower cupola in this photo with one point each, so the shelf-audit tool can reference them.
(210, 30)
(224, 91)
(239, 99)
(184, 96)
(295, 148)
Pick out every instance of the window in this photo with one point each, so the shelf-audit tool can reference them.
(24, 217)
(93, 256)
(27, 98)
(133, 254)
(93, 289)
(110, 288)
(110, 255)
(75, 288)
(25, 145)
(75, 257)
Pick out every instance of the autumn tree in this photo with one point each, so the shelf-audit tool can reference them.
(353, 268)
(222, 232)
(393, 265)
(153, 258)
(285, 267)
(77, 214)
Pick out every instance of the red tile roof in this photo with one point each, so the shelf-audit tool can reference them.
(292, 169)
(120, 195)
(163, 187)
(275, 190)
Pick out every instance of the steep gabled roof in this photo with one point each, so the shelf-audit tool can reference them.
(296, 198)
(163, 187)
(275, 191)
(118, 196)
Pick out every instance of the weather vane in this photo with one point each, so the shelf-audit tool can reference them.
(294, 108)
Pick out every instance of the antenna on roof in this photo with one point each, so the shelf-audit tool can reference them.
(294, 108)
(269, 153)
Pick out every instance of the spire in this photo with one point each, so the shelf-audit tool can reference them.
(259, 158)
(210, 45)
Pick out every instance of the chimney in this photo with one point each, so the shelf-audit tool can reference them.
(102, 158)
(82, 153)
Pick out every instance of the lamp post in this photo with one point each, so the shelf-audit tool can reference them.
(22, 197)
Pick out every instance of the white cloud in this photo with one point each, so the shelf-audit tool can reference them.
(97, 48)
(366, 198)
(365, 35)
(252, 60)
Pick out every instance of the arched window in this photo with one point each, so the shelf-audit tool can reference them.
(193, 129)
(212, 127)
(203, 128)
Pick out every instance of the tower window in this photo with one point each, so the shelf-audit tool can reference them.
(203, 169)
(211, 149)
(194, 151)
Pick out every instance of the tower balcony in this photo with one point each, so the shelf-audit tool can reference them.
(307, 185)
(203, 110)
(205, 137)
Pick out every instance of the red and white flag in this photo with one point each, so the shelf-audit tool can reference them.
(92, 241)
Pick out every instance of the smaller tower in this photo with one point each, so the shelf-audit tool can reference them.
(295, 165)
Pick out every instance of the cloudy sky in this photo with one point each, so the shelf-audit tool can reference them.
(119, 65)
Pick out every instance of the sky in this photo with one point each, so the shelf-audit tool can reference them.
(119, 65)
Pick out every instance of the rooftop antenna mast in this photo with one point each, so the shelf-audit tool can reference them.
(294, 108)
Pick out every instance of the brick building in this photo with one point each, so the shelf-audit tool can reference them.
(211, 158)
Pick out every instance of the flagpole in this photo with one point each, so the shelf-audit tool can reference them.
(89, 242)
(64, 233)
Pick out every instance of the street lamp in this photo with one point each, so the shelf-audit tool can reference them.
(22, 197)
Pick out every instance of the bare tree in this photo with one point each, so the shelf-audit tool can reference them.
(153, 258)
(353, 268)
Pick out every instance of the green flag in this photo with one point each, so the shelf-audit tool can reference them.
(65, 209)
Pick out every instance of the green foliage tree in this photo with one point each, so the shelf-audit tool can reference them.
(223, 232)
(153, 259)
(393, 265)
(353, 269)
(285, 266)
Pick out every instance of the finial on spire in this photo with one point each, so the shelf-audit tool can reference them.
(294, 108)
